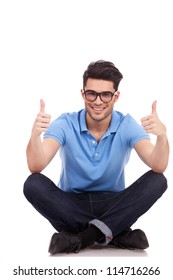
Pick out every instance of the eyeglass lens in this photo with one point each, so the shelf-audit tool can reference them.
(104, 96)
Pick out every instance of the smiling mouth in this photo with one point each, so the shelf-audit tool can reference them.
(98, 109)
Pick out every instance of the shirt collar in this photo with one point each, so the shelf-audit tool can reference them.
(82, 120)
(115, 122)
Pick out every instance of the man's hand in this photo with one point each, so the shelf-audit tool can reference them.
(152, 123)
(42, 121)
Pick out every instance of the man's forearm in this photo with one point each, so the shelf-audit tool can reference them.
(35, 155)
(160, 154)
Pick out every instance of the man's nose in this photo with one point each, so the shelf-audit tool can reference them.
(98, 101)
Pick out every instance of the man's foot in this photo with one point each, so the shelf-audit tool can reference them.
(131, 239)
(64, 242)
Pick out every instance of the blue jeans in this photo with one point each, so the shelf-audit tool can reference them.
(111, 212)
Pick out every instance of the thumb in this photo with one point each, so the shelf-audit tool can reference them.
(42, 105)
(154, 111)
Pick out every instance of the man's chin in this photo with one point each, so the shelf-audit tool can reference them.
(97, 116)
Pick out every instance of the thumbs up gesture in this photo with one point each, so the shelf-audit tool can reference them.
(42, 106)
(152, 123)
(42, 120)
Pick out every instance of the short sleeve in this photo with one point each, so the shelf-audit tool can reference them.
(134, 131)
(56, 130)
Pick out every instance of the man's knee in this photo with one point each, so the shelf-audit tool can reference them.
(159, 181)
(30, 184)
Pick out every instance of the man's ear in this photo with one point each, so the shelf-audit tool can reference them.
(82, 93)
(116, 97)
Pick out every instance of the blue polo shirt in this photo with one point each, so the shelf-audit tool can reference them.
(88, 165)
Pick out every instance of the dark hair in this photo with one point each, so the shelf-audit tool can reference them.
(103, 70)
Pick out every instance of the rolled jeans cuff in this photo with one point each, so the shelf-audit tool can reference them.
(104, 229)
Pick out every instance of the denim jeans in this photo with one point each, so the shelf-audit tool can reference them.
(111, 212)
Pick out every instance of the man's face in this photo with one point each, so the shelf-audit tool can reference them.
(99, 110)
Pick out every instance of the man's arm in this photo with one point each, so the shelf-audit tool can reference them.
(40, 152)
(155, 156)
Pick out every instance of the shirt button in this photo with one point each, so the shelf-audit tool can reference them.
(93, 141)
(96, 154)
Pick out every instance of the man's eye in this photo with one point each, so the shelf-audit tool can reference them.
(106, 94)
(91, 93)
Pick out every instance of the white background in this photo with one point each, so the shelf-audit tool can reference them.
(45, 46)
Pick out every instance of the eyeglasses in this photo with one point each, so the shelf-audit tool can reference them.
(105, 96)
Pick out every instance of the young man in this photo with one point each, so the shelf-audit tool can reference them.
(90, 203)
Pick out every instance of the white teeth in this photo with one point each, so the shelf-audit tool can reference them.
(98, 109)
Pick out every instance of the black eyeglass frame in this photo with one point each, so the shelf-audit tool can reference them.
(99, 94)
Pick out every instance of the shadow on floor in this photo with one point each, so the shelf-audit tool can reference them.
(104, 251)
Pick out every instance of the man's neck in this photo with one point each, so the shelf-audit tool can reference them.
(97, 128)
